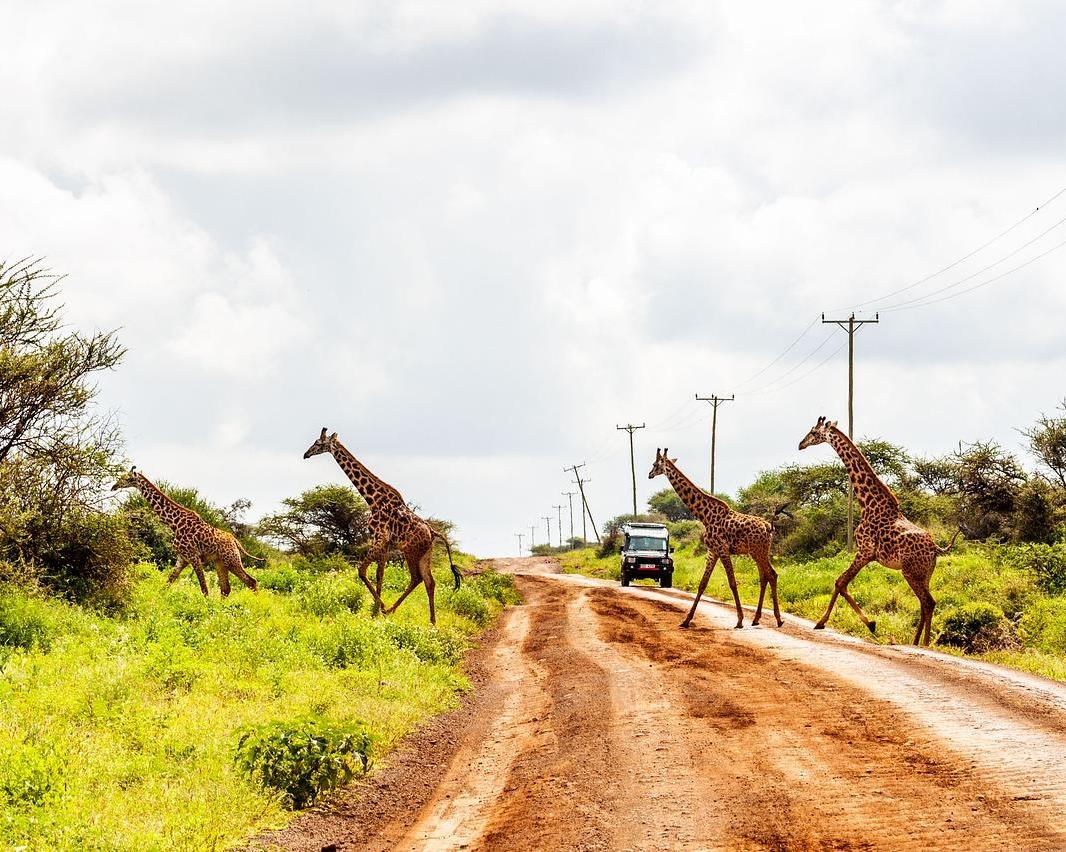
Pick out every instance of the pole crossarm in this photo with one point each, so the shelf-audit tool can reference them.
(714, 401)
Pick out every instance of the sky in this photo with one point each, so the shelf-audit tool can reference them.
(475, 237)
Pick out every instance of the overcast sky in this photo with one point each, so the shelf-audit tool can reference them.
(474, 237)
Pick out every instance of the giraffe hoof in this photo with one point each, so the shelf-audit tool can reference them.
(873, 627)
(780, 622)
(819, 626)
(684, 625)
(755, 623)
(739, 626)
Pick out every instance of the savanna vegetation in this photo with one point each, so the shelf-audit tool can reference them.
(137, 715)
(1001, 593)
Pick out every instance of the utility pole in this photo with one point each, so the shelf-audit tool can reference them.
(559, 519)
(532, 537)
(851, 325)
(548, 527)
(715, 401)
(630, 428)
(520, 536)
(570, 497)
(580, 483)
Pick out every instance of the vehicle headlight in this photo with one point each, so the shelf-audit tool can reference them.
(630, 560)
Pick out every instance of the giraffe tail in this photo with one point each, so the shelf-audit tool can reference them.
(451, 563)
(951, 544)
(240, 547)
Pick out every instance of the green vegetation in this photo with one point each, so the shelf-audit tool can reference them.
(179, 722)
(989, 600)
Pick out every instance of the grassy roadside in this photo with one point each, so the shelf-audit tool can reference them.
(119, 731)
(1038, 621)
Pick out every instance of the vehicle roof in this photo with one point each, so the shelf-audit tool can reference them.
(646, 529)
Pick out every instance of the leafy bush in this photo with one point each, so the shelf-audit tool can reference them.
(977, 628)
(24, 623)
(1043, 627)
(281, 578)
(345, 643)
(1046, 562)
(496, 586)
(469, 604)
(429, 645)
(303, 758)
(28, 775)
(330, 594)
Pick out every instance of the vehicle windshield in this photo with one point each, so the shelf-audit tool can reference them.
(647, 542)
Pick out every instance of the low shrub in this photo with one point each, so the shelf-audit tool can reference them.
(428, 644)
(1046, 562)
(280, 578)
(494, 585)
(977, 628)
(24, 623)
(1043, 627)
(469, 604)
(304, 758)
(331, 594)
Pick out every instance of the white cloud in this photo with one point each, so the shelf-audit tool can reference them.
(475, 237)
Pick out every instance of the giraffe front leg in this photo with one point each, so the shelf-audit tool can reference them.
(712, 559)
(728, 563)
(179, 566)
(379, 605)
(840, 587)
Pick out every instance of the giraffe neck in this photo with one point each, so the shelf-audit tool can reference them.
(167, 509)
(871, 493)
(372, 488)
(699, 502)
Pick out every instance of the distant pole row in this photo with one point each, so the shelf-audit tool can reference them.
(849, 324)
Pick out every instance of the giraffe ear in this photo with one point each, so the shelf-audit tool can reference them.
(833, 425)
(333, 437)
(134, 468)
(323, 435)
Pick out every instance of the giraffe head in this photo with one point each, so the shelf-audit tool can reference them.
(659, 466)
(324, 444)
(819, 433)
(130, 479)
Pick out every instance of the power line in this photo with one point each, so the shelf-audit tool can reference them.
(967, 256)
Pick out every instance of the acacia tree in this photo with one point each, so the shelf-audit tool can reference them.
(57, 451)
(328, 519)
(1047, 443)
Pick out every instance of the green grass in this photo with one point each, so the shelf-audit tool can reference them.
(119, 732)
(804, 589)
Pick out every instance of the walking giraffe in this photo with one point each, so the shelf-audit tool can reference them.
(726, 533)
(392, 525)
(195, 540)
(883, 534)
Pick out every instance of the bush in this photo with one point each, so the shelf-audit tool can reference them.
(345, 643)
(977, 628)
(280, 578)
(303, 758)
(496, 586)
(1043, 627)
(331, 594)
(469, 604)
(1046, 562)
(24, 623)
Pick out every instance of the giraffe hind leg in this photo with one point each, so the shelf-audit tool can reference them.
(712, 560)
(840, 587)
(731, 577)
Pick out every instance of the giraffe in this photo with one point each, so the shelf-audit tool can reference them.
(195, 540)
(726, 533)
(392, 525)
(883, 534)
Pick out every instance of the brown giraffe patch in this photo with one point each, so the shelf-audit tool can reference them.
(726, 533)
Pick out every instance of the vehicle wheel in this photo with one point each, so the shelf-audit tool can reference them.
(625, 579)
(666, 581)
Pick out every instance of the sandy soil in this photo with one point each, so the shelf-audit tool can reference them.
(597, 724)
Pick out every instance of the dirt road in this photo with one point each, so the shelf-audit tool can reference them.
(598, 724)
